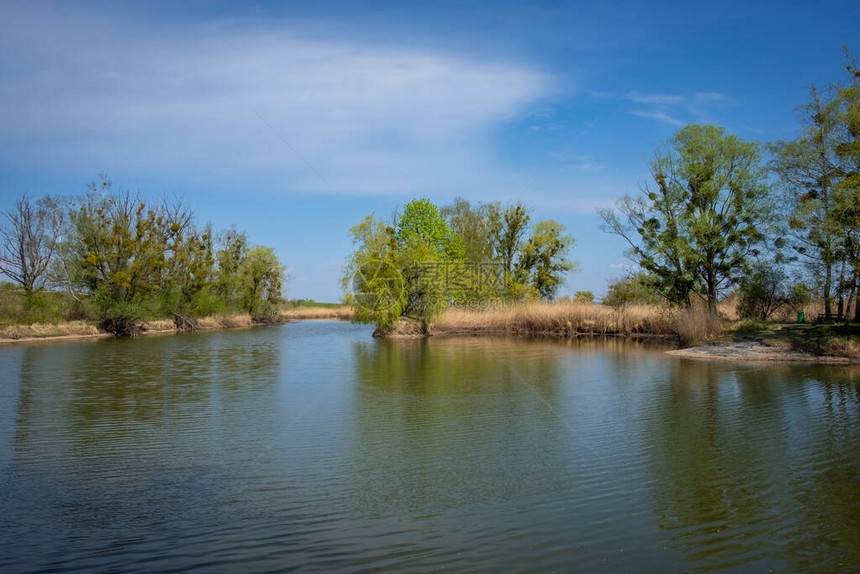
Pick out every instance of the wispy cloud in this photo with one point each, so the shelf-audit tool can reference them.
(660, 116)
(372, 118)
(656, 99)
(674, 109)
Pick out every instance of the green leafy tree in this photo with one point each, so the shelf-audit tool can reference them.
(631, 289)
(262, 277)
(372, 278)
(119, 252)
(508, 228)
(426, 247)
(542, 262)
(422, 223)
(473, 228)
(763, 291)
(808, 172)
(229, 282)
(695, 230)
(847, 192)
(819, 172)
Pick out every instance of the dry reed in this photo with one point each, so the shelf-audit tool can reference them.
(343, 313)
(41, 330)
(696, 325)
(560, 318)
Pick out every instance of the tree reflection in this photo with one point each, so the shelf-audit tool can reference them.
(443, 423)
(738, 479)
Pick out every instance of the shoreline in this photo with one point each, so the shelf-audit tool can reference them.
(82, 331)
(757, 352)
(743, 350)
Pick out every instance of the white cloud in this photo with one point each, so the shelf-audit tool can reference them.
(657, 99)
(674, 109)
(370, 118)
(659, 116)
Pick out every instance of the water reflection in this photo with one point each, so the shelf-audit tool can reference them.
(735, 478)
(449, 422)
(314, 446)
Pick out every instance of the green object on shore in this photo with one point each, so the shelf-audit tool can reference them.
(800, 316)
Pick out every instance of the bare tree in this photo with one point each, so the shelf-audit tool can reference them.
(29, 236)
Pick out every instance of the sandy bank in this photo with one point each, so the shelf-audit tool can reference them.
(756, 351)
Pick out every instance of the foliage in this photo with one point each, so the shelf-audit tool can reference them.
(129, 261)
(422, 227)
(542, 260)
(372, 279)
(431, 257)
(694, 231)
(631, 289)
(764, 290)
(473, 227)
(819, 172)
(262, 274)
(585, 297)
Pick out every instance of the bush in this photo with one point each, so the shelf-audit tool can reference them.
(586, 297)
(764, 292)
(631, 289)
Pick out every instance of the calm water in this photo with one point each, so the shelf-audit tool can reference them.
(313, 447)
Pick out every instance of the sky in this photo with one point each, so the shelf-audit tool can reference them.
(293, 120)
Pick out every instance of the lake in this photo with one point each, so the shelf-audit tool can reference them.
(314, 447)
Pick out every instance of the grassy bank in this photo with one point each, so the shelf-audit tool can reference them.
(53, 314)
(12, 333)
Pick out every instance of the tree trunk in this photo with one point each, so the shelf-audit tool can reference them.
(840, 293)
(828, 284)
(857, 298)
(712, 293)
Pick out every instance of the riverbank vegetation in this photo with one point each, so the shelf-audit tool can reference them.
(427, 258)
(111, 258)
(729, 233)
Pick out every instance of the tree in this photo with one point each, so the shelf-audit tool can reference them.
(229, 283)
(372, 279)
(507, 229)
(262, 276)
(847, 192)
(819, 172)
(695, 230)
(631, 289)
(118, 246)
(808, 172)
(542, 261)
(763, 291)
(423, 224)
(426, 248)
(472, 227)
(29, 233)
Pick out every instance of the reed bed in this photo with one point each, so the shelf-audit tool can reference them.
(344, 313)
(560, 319)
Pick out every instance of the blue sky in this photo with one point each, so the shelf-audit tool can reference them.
(392, 100)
